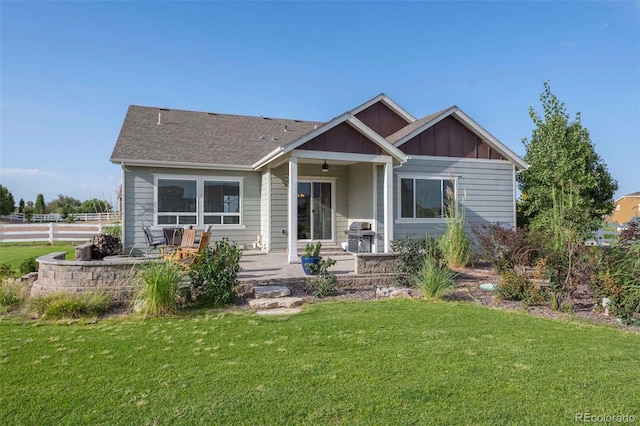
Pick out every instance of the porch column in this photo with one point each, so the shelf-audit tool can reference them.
(293, 210)
(388, 206)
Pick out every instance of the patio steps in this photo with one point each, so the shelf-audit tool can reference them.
(274, 300)
(326, 251)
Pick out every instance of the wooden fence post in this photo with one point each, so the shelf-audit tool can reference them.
(51, 233)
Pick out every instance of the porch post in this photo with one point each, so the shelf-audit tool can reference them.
(293, 210)
(388, 205)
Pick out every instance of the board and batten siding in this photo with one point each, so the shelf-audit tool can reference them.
(139, 205)
(485, 187)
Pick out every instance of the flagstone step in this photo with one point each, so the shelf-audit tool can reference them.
(270, 291)
(279, 311)
(276, 302)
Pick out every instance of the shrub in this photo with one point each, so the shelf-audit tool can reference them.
(113, 230)
(65, 305)
(5, 271)
(409, 257)
(28, 265)
(12, 294)
(513, 286)
(215, 273)
(160, 282)
(434, 279)
(620, 282)
(503, 247)
(454, 244)
(631, 234)
(323, 283)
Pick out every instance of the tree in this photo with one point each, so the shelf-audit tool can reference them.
(7, 203)
(40, 207)
(94, 206)
(21, 206)
(62, 204)
(562, 159)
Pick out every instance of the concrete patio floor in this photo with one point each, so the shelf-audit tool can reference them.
(257, 266)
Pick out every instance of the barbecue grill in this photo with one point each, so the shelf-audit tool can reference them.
(359, 237)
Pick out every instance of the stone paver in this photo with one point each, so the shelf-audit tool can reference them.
(257, 266)
(279, 311)
(278, 302)
(270, 291)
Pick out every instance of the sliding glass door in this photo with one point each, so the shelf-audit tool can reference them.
(315, 211)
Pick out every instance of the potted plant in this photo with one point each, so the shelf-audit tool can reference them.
(311, 257)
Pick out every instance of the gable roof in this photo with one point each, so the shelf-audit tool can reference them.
(189, 138)
(388, 102)
(405, 134)
(347, 117)
(181, 138)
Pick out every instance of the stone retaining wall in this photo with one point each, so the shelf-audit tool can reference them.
(375, 263)
(55, 274)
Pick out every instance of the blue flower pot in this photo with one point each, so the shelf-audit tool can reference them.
(306, 261)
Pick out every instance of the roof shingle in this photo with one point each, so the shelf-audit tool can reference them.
(200, 137)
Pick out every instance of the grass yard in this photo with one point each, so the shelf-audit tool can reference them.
(382, 362)
(14, 254)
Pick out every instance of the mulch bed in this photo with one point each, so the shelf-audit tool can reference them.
(467, 289)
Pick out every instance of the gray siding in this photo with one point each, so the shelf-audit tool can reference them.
(360, 200)
(139, 208)
(485, 188)
(279, 201)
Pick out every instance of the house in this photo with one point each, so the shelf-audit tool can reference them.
(274, 183)
(625, 208)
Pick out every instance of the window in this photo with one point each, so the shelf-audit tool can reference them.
(424, 198)
(221, 203)
(177, 202)
(198, 200)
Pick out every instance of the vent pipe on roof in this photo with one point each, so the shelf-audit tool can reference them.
(286, 128)
(159, 117)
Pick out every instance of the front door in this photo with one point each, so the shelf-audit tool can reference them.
(315, 214)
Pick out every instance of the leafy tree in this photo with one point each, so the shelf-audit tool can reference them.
(94, 206)
(40, 207)
(7, 203)
(562, 159)
(62, 204)
(21, 206)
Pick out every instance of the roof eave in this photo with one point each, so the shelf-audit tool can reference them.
(180, 164)
(388, 102)
(475, 127)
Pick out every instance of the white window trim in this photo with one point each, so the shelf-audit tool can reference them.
(400, 176)
(200, 179)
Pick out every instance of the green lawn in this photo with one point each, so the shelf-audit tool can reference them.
(14, 254)
(375, 362)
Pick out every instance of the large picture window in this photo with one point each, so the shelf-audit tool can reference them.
(221, 203)
(177, 202)
(198, 201)
(425, 198)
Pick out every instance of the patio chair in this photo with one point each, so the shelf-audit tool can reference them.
(188, 256)
(188, 242)
(152, 244)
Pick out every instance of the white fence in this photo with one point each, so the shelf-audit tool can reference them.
(605, 237)
(57, 217)
(49, 232)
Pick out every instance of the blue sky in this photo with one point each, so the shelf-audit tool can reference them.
(70, 69)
